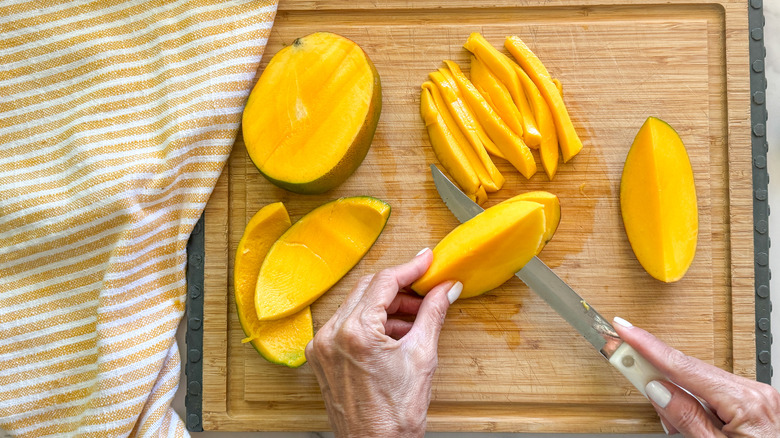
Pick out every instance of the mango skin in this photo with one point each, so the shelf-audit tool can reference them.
(355, 152)
(486, 251)
(658, 202)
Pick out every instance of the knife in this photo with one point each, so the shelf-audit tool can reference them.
(576, 311)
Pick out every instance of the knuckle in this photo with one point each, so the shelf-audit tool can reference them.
(683, 363)
(385, 276)
(689, 417)
(349, 335)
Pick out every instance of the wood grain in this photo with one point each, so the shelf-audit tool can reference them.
(508, 362)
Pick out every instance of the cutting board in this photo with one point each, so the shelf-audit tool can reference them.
(507, 362)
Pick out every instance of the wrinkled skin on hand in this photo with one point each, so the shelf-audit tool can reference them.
(374, 369)
(735, 406)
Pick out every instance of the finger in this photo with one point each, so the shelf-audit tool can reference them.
(709, 382)
(386, 284)
(666, 424)
(405, 303)
(433, 310)
(682, 410)
(397, 328)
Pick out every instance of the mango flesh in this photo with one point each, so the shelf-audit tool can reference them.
(487, 250)
(310, 119)
(315, 253)
(552, 211)
(658, 202)
(283, 341)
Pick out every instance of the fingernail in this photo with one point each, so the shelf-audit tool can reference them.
(621, 321)
(658, 393)
(422, 251)
(666, 430)
(454, 292)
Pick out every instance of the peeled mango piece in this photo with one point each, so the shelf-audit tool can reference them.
(496, 94)
(658, 202)
(552, 211)
(487, 250)
(310, 119)
(548, 149)
(283, 341)
(315, 253)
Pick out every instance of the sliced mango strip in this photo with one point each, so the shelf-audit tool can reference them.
(510, 145)
(558, 85)
(496, 94)
(465, 146)
(468, 124)
(503, 68)
(447, 148)
(548, 150)
(283, 341)
(568, 139)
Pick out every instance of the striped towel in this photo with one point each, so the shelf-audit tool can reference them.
(116, 118)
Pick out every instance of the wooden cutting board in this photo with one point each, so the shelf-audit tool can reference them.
(507, 362)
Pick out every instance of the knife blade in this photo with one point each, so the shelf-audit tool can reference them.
(562, 298)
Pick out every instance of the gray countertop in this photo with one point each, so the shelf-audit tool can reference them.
(772, 41)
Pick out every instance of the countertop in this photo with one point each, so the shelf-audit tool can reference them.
(772, 42)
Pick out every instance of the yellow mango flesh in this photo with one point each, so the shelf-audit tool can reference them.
(311, 117)
(511, 146)
(282, 341)
(496, 94)
(548, 149)
(658, 202)
(568, 139)
(487, 250)
(552, 211)
(470, 127)
(448, 149)
(315, 253)
(503, 68)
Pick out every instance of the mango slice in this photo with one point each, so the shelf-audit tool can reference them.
(503, 68)
(552, 211)
(315, 253)
(310, 119)
(487, 250)
(658, 202)
(496, 94)
(469, 126)
(511, 146)
(448, 149)
(567, 137)
(283, 341)
(548, 149)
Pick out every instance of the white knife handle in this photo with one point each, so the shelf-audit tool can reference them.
(636, 368)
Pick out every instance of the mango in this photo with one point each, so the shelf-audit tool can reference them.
(310, 120)
(548, 148)
(568, 139)
(496, 94)
(658, 201)
(486, 251)
(552, 211)
(283, 341)
(315, 253)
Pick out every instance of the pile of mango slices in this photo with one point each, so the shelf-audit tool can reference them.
(505, 110)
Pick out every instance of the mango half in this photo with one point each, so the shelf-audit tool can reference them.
(315, 253)
(487, 250)
(310, 120)
(658, 201)
(282, 341)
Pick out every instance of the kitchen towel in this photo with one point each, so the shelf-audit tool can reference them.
(116, 119)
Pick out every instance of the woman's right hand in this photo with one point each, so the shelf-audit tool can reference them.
(737, 407)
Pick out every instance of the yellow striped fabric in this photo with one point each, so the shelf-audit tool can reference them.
(116, 118)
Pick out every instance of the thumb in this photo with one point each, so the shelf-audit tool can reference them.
(433, 310)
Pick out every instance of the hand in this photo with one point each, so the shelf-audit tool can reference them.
(374, 369)
(735, 406)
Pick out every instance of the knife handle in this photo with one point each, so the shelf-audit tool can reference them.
(636, 368)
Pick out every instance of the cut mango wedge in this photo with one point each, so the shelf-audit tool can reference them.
(552, 211)
(283, 341)
(503, 68)
(468, 124)
(315, 253)
(487, 250)
(548, 149)
(511, 146)
(447, 148)
(568, 139)
(496, 94)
